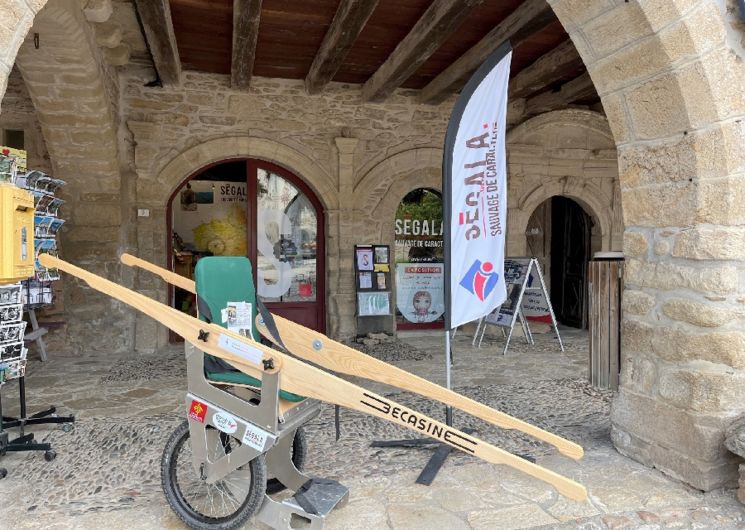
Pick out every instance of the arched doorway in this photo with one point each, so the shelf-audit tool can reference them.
(253, 208)
(561, 234)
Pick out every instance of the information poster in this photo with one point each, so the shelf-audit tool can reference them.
(420, 294)
(535, 306)
(419, 260)
(210, 216)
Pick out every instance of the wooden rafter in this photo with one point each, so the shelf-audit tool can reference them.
(530, 17)
(571, 91)
(545, 71)
(246, 16)
(440, 20)
(579, 88)
(350, 18)
(161, 39)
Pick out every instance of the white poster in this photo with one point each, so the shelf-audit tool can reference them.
(475, 180)
(420, 295)
(535, 306)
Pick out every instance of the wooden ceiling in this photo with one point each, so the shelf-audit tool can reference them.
(428, 45)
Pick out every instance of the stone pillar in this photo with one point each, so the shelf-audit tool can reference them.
(150, 238)
(341, 303)
(665, 72)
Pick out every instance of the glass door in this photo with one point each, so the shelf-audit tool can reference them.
(259, 210)
(289, 246)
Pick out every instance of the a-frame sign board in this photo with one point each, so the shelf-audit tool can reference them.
(520, 275)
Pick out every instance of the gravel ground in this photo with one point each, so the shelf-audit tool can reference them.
(109, 464)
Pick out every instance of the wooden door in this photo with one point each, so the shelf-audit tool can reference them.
(570, 253)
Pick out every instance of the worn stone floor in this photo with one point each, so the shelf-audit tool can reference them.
(106, 474)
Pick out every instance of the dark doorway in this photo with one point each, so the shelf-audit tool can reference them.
(570, 253)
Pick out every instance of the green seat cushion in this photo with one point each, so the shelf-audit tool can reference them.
(223, 279)
(239, 378)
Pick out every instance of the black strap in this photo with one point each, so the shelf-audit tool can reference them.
(270, 324)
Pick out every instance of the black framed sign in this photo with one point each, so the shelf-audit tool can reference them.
(372, 270)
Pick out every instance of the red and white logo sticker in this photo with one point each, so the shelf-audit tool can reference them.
(197, 411)
(225, 422)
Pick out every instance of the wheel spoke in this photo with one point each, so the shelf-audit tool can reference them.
(220, 500)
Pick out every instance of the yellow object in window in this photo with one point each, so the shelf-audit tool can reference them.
(16, 234)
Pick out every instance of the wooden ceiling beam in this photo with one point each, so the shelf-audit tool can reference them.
(350, 18)
(545, 71)
(440, 20)
(571, 91)
(155, 16)
(579, 88)
(531, 17)
(246, 16)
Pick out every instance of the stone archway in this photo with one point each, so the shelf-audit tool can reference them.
(592, 199)
(663, 71)
(155, 187)
(67, 84)
(568, 153)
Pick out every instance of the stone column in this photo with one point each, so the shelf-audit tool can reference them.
(340, 240)
(150, 236)
(665, 72)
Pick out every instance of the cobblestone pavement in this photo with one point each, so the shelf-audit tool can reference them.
(106, 474)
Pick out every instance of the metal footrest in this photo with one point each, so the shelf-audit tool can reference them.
(313, 502)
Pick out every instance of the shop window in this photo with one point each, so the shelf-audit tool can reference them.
(419, 255)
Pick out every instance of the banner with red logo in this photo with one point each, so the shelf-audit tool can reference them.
(474, 177)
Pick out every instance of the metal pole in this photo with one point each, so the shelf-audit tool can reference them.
(448, 362)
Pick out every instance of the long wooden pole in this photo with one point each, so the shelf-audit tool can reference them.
(319, 349)
(303, 379)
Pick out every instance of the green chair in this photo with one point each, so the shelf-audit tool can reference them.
(220, 280)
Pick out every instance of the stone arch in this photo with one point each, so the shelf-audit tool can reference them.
(225, 148)
(563, 153)
(374, 186)
(664, 72)
(595, 202)
(72, 98)
(585, 119)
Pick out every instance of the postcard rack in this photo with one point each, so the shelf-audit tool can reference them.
(38, 291)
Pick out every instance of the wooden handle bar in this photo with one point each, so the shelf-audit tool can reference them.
(301, 378)
(190, 328)
(319, 349)
(170, 277)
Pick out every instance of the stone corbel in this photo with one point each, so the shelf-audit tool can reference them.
(143, 133)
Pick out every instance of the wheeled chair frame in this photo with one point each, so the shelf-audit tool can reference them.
(265, 424)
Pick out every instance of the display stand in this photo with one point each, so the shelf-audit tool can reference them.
(38, 290)
(28, 295)
(519, 278)
(372, 270)
(36, 335)
(25, 441)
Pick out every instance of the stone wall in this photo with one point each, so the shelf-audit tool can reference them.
(569, 153)
(665, 71)
(360, 159)
(74, 93)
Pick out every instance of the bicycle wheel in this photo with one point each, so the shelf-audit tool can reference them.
(224, 505)
(298, 452)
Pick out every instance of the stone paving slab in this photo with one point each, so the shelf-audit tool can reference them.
(106, 474)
